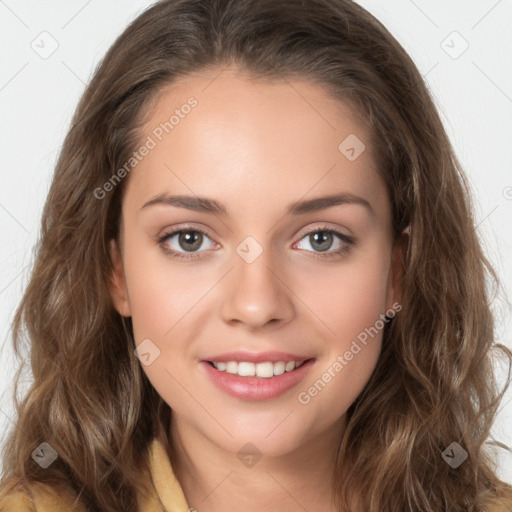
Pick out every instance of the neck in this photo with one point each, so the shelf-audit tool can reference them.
(214, 479)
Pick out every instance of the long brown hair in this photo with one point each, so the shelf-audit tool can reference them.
(434, 382)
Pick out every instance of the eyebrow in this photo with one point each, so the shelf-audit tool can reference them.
(208, 205)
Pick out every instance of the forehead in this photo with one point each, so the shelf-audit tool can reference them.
(260, 141)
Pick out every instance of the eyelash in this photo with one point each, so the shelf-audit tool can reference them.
(348, 241)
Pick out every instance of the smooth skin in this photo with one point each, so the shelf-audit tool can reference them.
(255, 147)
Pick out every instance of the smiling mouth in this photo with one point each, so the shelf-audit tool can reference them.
(263, 370)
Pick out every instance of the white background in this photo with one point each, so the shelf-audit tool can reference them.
(38, 96)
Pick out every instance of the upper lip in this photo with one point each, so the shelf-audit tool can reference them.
(256, 357)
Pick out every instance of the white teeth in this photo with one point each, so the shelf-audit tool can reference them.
(231, 367)
(264, 370)
(246, 369)
(279, 368)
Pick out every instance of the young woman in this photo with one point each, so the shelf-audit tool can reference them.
(258, 285)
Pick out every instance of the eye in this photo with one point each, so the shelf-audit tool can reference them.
(184, 243)
(321, 240)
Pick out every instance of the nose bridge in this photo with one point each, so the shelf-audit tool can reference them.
(256, 291)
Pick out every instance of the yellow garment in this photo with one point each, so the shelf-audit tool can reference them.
(168, 495)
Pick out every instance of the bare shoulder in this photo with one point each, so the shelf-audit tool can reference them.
(17, 496)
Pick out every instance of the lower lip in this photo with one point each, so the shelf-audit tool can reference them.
(256, 388)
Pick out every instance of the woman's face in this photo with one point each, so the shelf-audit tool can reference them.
(264, 272)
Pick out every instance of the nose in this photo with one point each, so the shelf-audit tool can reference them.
(256, 293)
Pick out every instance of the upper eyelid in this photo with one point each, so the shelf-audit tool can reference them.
(172, 232)
(318, 227)
(325, 228)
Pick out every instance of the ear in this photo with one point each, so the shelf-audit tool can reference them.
(117, 281)
(397, 269)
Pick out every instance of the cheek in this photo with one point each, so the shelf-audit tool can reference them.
(164, 300)
(348, 298)
(350, 302)
(162, 294)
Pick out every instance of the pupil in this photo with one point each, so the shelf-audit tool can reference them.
(189, 240)
(323, 236)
